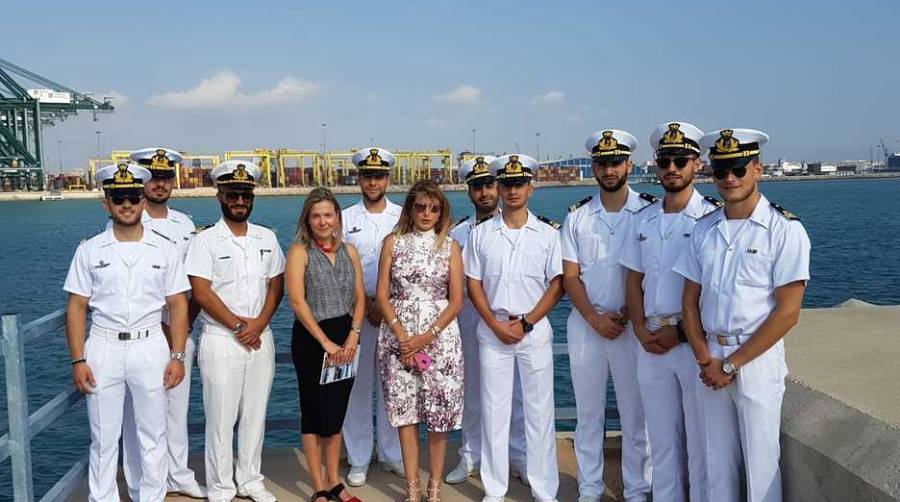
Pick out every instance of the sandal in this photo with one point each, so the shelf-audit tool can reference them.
(434, 490)
(413, 490)
(335, 494)
(321, 494)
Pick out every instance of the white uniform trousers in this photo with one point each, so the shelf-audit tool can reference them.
(470, 441)
(743, 424)
(135, 366)
(592, 359)
(236, 385)
(359, 430)
(533, 357)
(669, 386)
(177, 442)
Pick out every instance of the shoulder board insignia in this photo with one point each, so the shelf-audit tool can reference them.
(204, 227)
(580, 203)
(266, 226)
(164, 236)
(649, 197)
(464, 218)
(550, 222)
(714, 211)
(484, 219)
(647, 205)
(784, 212)
(712, 200)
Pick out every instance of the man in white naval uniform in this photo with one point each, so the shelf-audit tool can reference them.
(177, 228)
(365, 225)
(126, 276)
(667, 372)
(746, 271)
(237, 274)
(514, 271)
(599, 338)
(482, 190)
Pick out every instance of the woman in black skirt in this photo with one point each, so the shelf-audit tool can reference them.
(325, 282)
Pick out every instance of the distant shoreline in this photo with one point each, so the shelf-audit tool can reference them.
(189, 193)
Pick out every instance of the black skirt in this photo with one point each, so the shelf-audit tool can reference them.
(322, 407)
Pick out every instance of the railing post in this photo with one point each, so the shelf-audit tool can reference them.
(17, 408)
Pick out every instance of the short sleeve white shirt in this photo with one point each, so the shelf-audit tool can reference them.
(366, 231)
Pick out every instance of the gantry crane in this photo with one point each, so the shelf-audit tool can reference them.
(24, 112)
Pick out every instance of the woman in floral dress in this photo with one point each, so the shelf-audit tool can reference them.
(420, 292)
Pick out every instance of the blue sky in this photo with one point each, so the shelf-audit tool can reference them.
(820, 77)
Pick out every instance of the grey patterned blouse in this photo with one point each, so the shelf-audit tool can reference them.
(329, 288)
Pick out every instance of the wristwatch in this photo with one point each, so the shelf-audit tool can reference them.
(239, 328)
(177, 356)
(728, 367)
(526, 326)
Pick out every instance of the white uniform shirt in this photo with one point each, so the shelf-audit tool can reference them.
(460, 233)
(738, 274)
(515, 267)
(238, 268)
(595, 240)
(127, 283)
(176, 228)
(366, 231)
(652, 249)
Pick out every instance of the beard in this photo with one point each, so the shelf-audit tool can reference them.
(486, 207)
(373, 198)
(229, 214)
(670, 188)
(615, 188)
(158, 200)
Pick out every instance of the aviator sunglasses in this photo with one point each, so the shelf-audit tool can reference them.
(234, 196)
(680, 162)
(421, 208)
(118, 200)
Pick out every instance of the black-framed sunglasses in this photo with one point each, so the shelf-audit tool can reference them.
(234, 196)
(421, 208)
(721, 172)
(680, 162)
(118, 200)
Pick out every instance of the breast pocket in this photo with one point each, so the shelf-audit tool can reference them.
(533, 264)
(154, 278)
(225, 268)
(591, 249)
(754, 269)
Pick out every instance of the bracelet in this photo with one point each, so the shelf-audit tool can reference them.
(393, 322)
(356, 329)
(434, 330)
(78, 361)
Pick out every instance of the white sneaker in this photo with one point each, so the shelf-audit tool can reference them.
(395, 467)
(260, 495)
(460, 474)
(492, 499)
(195, 491)
(521, 476)
(357, 475)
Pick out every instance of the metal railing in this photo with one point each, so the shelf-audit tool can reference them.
(16, 444)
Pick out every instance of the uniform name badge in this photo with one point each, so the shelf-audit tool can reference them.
(335, 373)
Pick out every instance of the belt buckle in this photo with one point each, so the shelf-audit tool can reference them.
(124, 335)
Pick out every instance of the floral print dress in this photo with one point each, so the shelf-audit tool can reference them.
(420, 283)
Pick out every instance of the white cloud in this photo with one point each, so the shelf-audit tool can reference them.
(550, 97)
(224, 89)
(436, 123)
(462, 95)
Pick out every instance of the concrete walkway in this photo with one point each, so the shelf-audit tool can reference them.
(288, 478)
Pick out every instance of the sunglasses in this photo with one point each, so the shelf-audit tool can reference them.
(234, 196)
(118, 200)
(680, 162)
(421, 208)
(721, 172)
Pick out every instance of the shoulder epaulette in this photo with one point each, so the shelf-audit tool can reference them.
(550, 222)
(464, 218)
(483, 219)
(647, 205)
(649, 197)
(164, 236)
(275, 231)
(784, 212)
(712, 200)
(714, 211)
(204, 227)
(580, 203)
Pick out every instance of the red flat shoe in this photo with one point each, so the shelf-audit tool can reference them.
(336, 494)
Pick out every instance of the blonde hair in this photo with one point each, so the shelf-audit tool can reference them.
(430, 189)
(304, 233)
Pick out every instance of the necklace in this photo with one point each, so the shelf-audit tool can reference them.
(325, 249)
